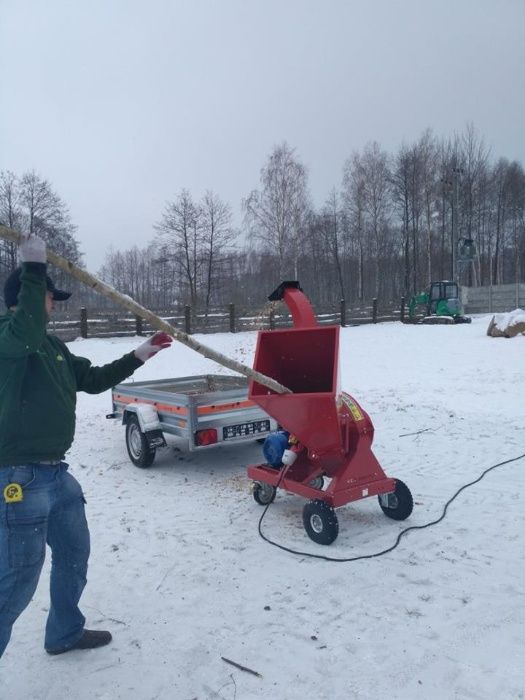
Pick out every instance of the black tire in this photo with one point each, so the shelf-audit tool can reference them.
(320, 522)
(139, 451)
(397, 505)
(263, 493)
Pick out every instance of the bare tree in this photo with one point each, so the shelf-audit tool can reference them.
(376, 178)
(41, 204)
(428, 156)
(401, 194)
(331, 216)
(30, 205)
(179, 231)
(353, 197)
(277, 213)
(217, 235)
(10, 215)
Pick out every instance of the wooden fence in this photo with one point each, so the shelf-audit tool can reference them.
(107, 323)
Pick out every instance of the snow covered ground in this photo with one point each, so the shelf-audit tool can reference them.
(180, 576)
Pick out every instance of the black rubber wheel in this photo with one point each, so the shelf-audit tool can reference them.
(263, 493)
(139, 451)
(320, 522)
(397, 505)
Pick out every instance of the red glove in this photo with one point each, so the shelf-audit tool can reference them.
(153, 345)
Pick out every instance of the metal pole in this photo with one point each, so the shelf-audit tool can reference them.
(490, 277)
(454, 214)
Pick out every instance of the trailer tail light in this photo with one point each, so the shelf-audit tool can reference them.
(205, 437)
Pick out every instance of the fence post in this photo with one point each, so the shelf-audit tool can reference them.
(83, 322)
(402, 310)
(138, 325)
(374, 310)
(232, 318)
(271, 319)
(187, 319)
(343, 312)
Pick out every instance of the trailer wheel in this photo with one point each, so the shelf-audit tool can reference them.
(139, 451)
(320, 522)
(397, 505)
(263, 493)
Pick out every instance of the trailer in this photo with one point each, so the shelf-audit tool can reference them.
(205, 410)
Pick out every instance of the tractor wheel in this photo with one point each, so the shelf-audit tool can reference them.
(139, 451)
(263, 493)
(399, 504)
(317, 483)
(320, 522)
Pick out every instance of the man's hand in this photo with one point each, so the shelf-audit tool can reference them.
(32, 249)
(151, 346)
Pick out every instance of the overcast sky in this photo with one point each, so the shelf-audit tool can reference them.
(121, 103)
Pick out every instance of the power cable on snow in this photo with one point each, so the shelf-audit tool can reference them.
(401, 534)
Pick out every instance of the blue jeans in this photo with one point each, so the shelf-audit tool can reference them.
(52, 511)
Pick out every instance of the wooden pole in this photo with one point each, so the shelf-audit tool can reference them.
(83, 323)
(343, 313)
(128, 303)
(232, 318)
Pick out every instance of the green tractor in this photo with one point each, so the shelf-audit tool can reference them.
(441, 302)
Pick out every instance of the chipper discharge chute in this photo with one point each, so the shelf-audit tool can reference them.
(324, 445)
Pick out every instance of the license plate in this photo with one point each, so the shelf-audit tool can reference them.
(253, 428)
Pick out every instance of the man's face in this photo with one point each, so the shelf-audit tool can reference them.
(50, 304)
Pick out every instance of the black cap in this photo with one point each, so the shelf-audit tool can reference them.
(12, 288)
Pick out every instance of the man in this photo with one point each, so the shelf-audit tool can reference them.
(39, 500)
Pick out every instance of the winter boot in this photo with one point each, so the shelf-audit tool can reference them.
(90, 639)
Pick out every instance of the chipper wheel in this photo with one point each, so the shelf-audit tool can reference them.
(317, 483)
(397, 505)
(320, 522)
(263, 493)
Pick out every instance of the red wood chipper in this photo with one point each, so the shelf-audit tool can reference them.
(323, 450)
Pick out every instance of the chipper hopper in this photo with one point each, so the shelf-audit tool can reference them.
(323, 449)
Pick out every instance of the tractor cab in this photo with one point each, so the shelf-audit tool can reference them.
(441, 302)
(439, 292)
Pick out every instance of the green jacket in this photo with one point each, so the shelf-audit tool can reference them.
(39, 379)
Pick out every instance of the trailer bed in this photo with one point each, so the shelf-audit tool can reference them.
(205, 410)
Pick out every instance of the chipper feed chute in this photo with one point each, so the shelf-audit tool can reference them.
(324, 446)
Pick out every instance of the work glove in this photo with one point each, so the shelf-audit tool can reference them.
(152, 345)
(32, 249)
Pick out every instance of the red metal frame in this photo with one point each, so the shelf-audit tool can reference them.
(334, 434)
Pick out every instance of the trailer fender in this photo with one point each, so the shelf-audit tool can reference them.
(149, 422)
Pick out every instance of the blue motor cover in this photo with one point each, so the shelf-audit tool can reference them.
(274, 446)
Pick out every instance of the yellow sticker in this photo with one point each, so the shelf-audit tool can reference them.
(354, 409)
(13, 493)
(355, 412)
